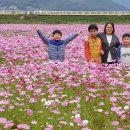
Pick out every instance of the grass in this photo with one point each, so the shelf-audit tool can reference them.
(35, 19)
(97, 120)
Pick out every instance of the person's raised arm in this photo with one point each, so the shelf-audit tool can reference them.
(70, 38)
(42, 36)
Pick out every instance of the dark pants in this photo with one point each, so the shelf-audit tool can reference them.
(109, 63)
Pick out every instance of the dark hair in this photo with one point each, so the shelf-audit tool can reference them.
(57, 31)
(126, 35)
(92, 26)
(112, 24)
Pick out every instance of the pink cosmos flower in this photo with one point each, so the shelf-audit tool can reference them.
(113, 99)
(65, 103)
(77, 120)
(3, 120)
(23, 126)
(128, 114)
(8, 124)
(115, 123)
(49, 127)
(29, 112)
(120, 129)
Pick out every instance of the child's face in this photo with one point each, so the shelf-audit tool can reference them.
(93, 32)
(57, 36)
(126, 41)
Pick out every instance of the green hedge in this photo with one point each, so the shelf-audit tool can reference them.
(32, 19)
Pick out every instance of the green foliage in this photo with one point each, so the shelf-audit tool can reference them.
(58, 19)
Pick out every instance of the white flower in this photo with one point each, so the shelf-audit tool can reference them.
(47, 103)
(54, 95)
(43, 71)
(18, 98)
(119, 108)
(85, 122)
(77, 116)
(126, 107)
(27, 80)
(20, 109)
(84, 76)
(71, 124)
(34, 122)
(63, 75)
(57, 100)
(78, 105)
(43, 100)
(34, 78)
(99, 110)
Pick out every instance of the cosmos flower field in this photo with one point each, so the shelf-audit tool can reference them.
(38, 94)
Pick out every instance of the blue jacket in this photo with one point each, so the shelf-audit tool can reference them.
(56, 49)
(119, 53)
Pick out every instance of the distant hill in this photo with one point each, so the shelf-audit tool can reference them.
(63, 5)
(125, 3)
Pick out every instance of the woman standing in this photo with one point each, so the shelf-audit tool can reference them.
(109, 42)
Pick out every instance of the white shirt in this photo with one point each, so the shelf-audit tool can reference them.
(109, 39)
(125, 54)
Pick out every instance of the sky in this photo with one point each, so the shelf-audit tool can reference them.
(50, 4)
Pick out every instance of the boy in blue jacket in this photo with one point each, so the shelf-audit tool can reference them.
(56, 46)
(123, 51)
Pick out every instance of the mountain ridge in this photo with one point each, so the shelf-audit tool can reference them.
(63, 5)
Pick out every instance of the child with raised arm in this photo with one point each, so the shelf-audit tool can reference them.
(93, 45)
(56, 46)
(123, 51)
